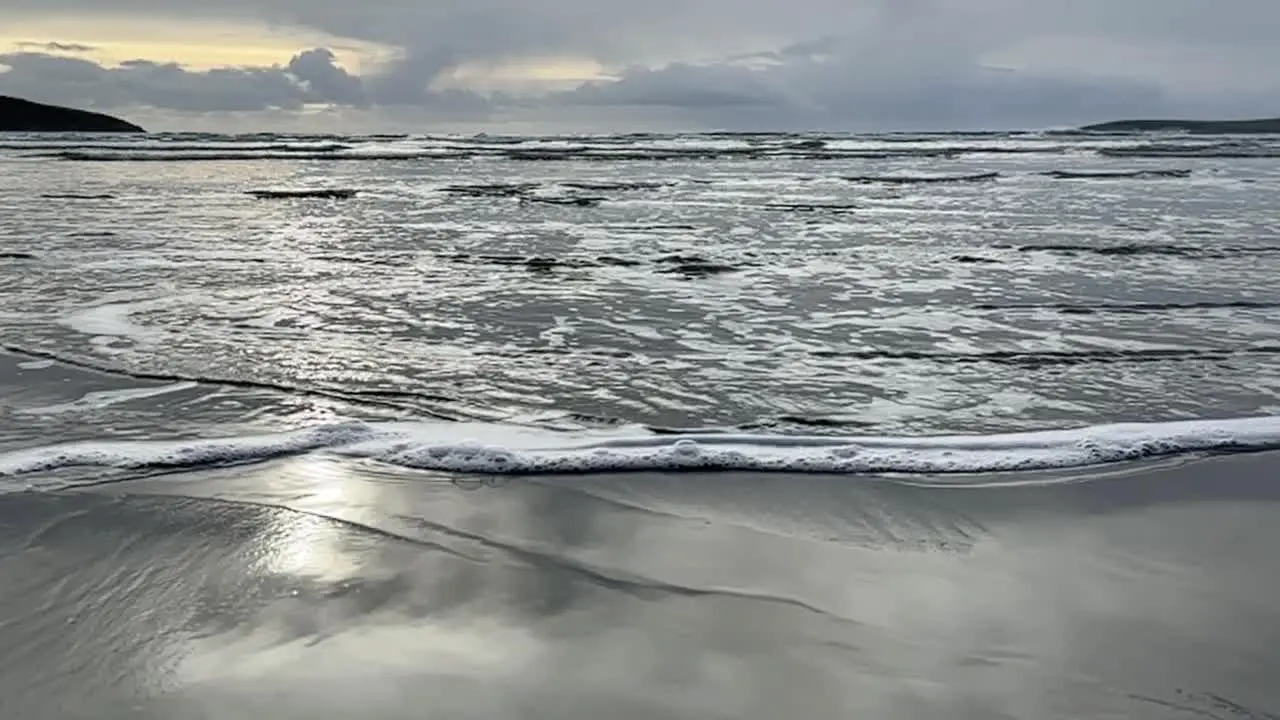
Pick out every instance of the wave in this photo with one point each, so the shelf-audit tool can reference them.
(1225, 150)
(459, 151)
(231, 155)
(181, 454)
(435, 405)
(494, 448)
(642, 147)
(169, 147)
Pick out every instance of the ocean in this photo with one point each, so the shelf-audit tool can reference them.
(648, 426)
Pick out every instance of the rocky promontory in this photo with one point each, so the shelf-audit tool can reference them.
(1202, 127)
(18, 115)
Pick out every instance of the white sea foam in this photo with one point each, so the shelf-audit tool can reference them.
(112, 320)
(99, 399)
(492, 448)
(181, 453)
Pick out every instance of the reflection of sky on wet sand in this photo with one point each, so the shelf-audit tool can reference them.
(305, 545)
(535, 598)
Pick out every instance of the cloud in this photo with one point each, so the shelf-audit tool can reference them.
(832, 95)
(723, 63)
(145, 82)
(55, 46)
(310, 77)
(320, 75)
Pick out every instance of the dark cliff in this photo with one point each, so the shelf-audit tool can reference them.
(18, 115)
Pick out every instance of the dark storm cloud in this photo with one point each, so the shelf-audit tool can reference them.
(812, 97)
(311, 76)
(736, 62)
(318, 72)
(628, 29)
(144, 82)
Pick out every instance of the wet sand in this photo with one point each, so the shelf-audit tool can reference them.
(314, 588)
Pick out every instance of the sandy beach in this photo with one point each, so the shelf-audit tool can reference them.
(307, 588)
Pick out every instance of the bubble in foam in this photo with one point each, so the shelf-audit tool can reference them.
(687, 448)
(845, 451)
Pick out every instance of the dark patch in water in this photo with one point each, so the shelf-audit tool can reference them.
(614, 186)
(510, 190)
(922, 179)
(386, 260)
(1050, 358)
(811, 207)
(974, 260)
(692, 266)
(569, 201)
(16, 256)
(78, 196)
(1114, 249)
(324, 193)
(660, 226)
(1132, 308)
(614, 261)
(521, 192)
(534, 262)
(92, 234)
(1116, 174)
(1135, 250)
(824, 421)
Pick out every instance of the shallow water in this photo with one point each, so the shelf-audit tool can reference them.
(644, 426)
(760, 288)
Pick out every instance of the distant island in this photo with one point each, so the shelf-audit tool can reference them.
(1205, 127)
(18, 115)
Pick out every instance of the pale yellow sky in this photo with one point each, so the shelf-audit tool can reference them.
(210, 44)
(197, 46)
(553, 73)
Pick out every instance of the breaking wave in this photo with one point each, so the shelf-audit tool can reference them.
(505, 449)
(638, 148)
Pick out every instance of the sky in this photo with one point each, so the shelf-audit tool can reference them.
(635, 65)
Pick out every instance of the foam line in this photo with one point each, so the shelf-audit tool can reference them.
(491, 448)
(181, 453)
